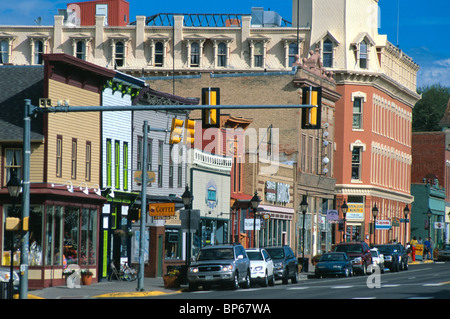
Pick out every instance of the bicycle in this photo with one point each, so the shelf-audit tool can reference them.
(128, 273)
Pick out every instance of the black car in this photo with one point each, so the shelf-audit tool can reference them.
(403, 256)
(285, 265)
(359, 253)
(334, 264)
(391, 257)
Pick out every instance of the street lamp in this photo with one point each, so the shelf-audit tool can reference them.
(254, 203)
(303, 208)
(429, 214)
(344, 208)
(187, 201)
(374, 214)
(14, 186)
(406, 212)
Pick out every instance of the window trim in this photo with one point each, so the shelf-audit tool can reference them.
(88, 166)
(74, 158)
(59, 155)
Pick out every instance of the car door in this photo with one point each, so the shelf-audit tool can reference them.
(269, 262)
(290, 260)
(241, 262)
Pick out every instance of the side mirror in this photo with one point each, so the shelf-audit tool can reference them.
(240, 257)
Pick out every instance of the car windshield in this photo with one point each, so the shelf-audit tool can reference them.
(254, 255)
(349, 249)
(215, 254)
(385, 250)
(332, 257)
(276, 253)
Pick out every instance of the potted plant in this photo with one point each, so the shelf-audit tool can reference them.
(86, 277)
(67, 272)
(171, 279)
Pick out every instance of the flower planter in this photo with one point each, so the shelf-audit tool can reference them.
(171, 281)
(86, 279)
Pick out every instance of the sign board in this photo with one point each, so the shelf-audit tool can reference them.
(248, 224)
(190, 219)
(332, 216)
(138, 177)
(439, 225)
(161, 209)
(382, 224)
(355, 211)
(419, 251)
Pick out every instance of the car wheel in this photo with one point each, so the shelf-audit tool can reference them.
(193, 287)
(294, 279)
(285, 278)
(405, 265)
(346, 273)
(382, 268)
(235, 282)
(265, 280)
(271, 281)
(246, 284)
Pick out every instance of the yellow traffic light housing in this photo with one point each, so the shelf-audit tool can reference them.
(211, 117)
(176, 131)
(312, 116)
(189, 126)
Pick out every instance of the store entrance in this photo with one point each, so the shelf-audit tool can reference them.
(354, 233)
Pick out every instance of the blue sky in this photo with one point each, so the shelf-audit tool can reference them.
(423, 30)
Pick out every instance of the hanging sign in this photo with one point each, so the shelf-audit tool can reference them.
(161, 209)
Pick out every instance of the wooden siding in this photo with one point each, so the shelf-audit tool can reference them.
(81, 126)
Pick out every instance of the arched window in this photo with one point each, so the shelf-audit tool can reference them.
(159, 54)
(120, 54)
(363, 55)
(195, 54)
(222, 55)
(81, 50)
(4, 51)
(327, 53)
(38, 52)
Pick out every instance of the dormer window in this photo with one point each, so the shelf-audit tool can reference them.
(80, 52)
(119, 50)
(363, 50)
(195, 54)
(38, 52)
(4, 51)
(361, 46)
(327, 53)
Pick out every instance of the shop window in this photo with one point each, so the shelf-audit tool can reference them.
(173, 244)
(53, 237)
(36, 226)
(88, 243)
(71, 234)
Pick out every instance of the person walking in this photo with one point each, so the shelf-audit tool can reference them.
(413, 248)
(427, 248)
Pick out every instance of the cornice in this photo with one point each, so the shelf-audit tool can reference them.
(374, 191)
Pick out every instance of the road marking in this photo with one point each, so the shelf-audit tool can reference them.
(341, 287)
(434, 285)
(389, 286)
(298, 288)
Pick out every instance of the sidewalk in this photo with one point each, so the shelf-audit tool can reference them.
(106, 289)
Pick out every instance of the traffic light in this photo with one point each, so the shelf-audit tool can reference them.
(176, 131)
(211, 117)
(189, 125)
(311, 116)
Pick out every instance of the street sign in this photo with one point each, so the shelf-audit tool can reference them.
(138, 177)
(439, 225)
(161, 209)
(193, 215)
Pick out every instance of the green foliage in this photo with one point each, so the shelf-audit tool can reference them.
(430, 109)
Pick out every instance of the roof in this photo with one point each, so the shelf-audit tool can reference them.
(19, 83)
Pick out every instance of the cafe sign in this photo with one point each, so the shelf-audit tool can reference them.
(161, 209)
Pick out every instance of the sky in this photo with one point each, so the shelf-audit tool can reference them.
(422, 32)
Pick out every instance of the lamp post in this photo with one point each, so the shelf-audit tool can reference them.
(429, 214)
(14, 185)
(303, 207)
(187, 201)
(374, 214)
(406, 213)
(344, 208)
(254, 203)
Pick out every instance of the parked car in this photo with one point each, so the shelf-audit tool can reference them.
(359, 253)
(334, 264)
(225, 265)
(402, 256)
(377, 259)
(261, 266)
(444, 253)
(5, 273)
(284, 262)
(391, 257)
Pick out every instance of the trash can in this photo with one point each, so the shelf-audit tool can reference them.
(304, 262)
(6, 290)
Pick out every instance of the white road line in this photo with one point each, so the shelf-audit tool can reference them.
(341, 287)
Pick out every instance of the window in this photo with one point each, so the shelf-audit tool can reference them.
(180, 175)
(4, 52)
(171, 167)
(53, 247)
(88, 242)
(117, 164)
(108, 163)
(59, 154)
(328, 53)
(38, 52)
(81, 50)
(363, 55)
(119, 54)
(125, 166)
(159, 54)
(357, 113)
(160, 163)
(88, 161)
(195, 54)
(222, 55)
(258, 55)
(356, 163)
(293, 50)
(74, 159)
(13, 163)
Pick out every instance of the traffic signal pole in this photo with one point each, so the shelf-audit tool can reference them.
(31, 110)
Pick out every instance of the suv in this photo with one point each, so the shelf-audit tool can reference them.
(226, 265)
(359, 253)
(402, 256)
(391, 256)
(285, 265)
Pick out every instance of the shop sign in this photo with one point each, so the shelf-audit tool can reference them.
(355, 211)
(439, 225)
(277, 192)
(161, 209)
(382, 224)
(332, 216)
(248, 224)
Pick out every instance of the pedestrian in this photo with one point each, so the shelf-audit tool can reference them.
(413, 248)
(420, 241)
(427, 248)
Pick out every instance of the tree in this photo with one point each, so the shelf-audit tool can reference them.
(429, 110)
